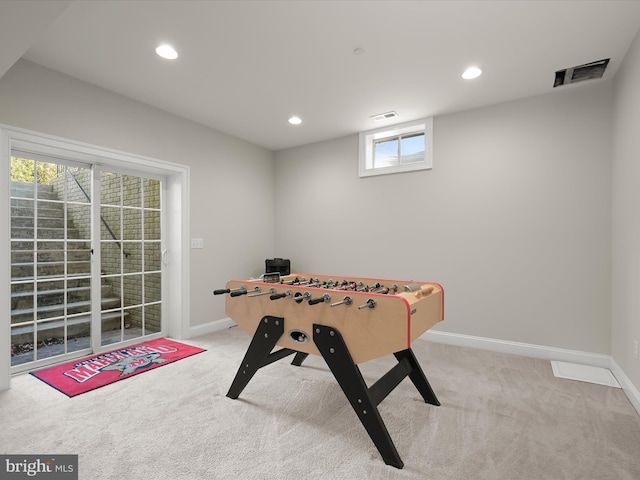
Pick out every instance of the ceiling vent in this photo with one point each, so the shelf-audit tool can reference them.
(384, 116)
(587, 71)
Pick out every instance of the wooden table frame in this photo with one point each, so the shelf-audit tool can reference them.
(332, 347)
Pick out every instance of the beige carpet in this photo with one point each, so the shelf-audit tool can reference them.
(502, 417)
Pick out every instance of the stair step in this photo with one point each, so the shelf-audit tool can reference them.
(21, 300)
(25, 283)
(56, 291)
(44, 233)
(18, 194)
(51, 311)
(44, 217)
(52, 264)
(52, 210)
(27, 188)
(27, 221)
(59, 291)
(76, 326)
(20, 271)
(53, 283)
(73, 255)
(23, 245)
(28, 200)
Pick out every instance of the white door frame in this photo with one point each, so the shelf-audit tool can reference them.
(178, 224)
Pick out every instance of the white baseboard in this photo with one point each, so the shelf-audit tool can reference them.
(501, 346)
(629, 388)
(211, 327)
(516, 348)
(542, 352)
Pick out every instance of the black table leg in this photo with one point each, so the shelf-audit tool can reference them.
(335, 352)
(417, 376)
(363, 399)
(299, 358)
(258, 354)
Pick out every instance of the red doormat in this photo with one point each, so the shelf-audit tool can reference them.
(81, 376)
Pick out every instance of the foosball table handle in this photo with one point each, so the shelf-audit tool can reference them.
(276, 296)
(324, 298)
(238, 291)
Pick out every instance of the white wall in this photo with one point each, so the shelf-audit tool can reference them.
(626, 214)
(513, 220)
(232, 180)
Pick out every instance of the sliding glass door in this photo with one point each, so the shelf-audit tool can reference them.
(50, 260)
(131, 256)
(85, 274)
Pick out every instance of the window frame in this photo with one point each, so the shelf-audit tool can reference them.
(368, 139)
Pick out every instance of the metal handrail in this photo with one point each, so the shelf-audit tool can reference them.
(104, 222)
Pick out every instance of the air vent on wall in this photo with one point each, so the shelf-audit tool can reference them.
(587, 71)
(384, 116)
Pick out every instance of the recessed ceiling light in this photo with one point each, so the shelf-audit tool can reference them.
(167, 51)
(471, 72)
(295, 120)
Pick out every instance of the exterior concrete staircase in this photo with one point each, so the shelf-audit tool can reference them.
(50, 267)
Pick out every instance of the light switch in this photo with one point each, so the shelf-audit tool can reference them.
(197, 243)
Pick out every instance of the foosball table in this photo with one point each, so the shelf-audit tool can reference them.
(347, 321)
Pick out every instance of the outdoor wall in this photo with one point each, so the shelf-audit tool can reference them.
(127, 253)
(626, 220)
(123, 250)
(513, 220)
(231, 180)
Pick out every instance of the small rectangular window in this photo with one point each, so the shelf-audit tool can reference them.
(399, 148)
(412, 149)
(385, 153)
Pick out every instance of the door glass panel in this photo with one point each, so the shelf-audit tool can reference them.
(78, 185)
(132, 286)
(110, 189)
(134, 321)
(133, 259)
(50, 260)
(21, 259)
(80, 217)
(132, 224)
(132, 191)
(130, 256)
(51, 335)
(110, 223)
(55, 227)
(152, 225)
(151, 193)
(152, 256)
(22, 350)
(111, 264)
(152, 284)
(153, 318)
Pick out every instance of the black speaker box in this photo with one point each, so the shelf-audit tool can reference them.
(278, 265)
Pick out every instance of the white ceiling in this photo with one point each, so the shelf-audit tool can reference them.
(246, 66)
